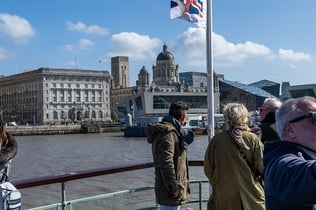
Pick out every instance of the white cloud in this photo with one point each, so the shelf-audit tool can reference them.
(16, 27)
(83, 44)
(69, 48)
(193, 49)
(137, 47)
(81, 27)
(293, 56)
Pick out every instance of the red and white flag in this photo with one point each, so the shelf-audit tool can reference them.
(193, 11)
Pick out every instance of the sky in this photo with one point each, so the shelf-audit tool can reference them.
(252, 40)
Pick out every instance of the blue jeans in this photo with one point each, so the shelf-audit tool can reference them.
(163, 207)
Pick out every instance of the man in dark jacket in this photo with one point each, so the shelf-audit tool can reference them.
(267, 119)
(289, 164)
(169, 143)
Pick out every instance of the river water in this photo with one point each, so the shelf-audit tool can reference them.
(58, 154)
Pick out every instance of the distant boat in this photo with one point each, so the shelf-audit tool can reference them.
(134, 131)
(196, 122)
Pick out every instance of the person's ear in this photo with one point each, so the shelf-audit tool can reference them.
(288, 130)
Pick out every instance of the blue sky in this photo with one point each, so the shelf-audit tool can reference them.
(252, 40)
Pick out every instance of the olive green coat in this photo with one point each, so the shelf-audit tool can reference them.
(232, 181)
(170, 162)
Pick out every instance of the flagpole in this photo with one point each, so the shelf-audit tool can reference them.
(210, 74)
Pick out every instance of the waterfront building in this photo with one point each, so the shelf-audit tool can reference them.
(296, 91)
(269, 86)
(251, 96)
(194, 79)
(120, 72)
(152, 98)
(49, 95)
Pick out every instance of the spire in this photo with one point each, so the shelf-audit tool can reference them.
(164, 47)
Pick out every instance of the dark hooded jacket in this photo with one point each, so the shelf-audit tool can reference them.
(169, 143)
(289, 176)
(268, 128)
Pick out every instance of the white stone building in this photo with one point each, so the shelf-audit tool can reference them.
(48, 95)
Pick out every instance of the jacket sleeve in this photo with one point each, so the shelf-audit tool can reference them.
(258, 156)
(255, 154)
(8, 152)
(209, 160)
(295, 181)
(166, 159)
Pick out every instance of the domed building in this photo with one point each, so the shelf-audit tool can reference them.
(143, 78)
(166, 71)
(149, 100)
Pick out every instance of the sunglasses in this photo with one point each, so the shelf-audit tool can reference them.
(311, 116)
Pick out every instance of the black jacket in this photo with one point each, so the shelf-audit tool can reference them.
(268, 128)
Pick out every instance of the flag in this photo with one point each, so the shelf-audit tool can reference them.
(193, 11)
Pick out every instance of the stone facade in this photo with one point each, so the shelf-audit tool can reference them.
(49, 95)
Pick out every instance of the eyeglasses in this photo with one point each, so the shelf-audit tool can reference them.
(311, 116)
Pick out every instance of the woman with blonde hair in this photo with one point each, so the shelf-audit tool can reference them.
(233, 162)
(9, 148)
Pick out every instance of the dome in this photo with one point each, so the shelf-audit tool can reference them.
(165, 55)
(143, 71)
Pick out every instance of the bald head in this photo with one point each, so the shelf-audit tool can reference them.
(295, 123)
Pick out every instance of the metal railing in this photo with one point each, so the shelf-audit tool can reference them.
(70, 204)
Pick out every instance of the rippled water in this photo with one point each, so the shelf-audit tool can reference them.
(57, 154)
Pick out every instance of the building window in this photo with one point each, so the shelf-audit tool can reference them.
(78, 96)
(162, 102)
(93, 114)
(55, 114)
(93, 96)
(69, 95)
(62, 96)
(54, 95)
(86, 95)
(99, 96)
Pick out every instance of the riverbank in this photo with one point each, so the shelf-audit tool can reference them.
(59, 129)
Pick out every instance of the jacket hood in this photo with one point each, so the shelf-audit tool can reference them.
(153, 129)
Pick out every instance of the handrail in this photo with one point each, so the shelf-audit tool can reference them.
(62, 178)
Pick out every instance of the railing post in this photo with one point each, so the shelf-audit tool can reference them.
(63, 196)
(200, 195)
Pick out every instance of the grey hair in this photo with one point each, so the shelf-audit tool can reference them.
(272, 103)
(287, 109)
